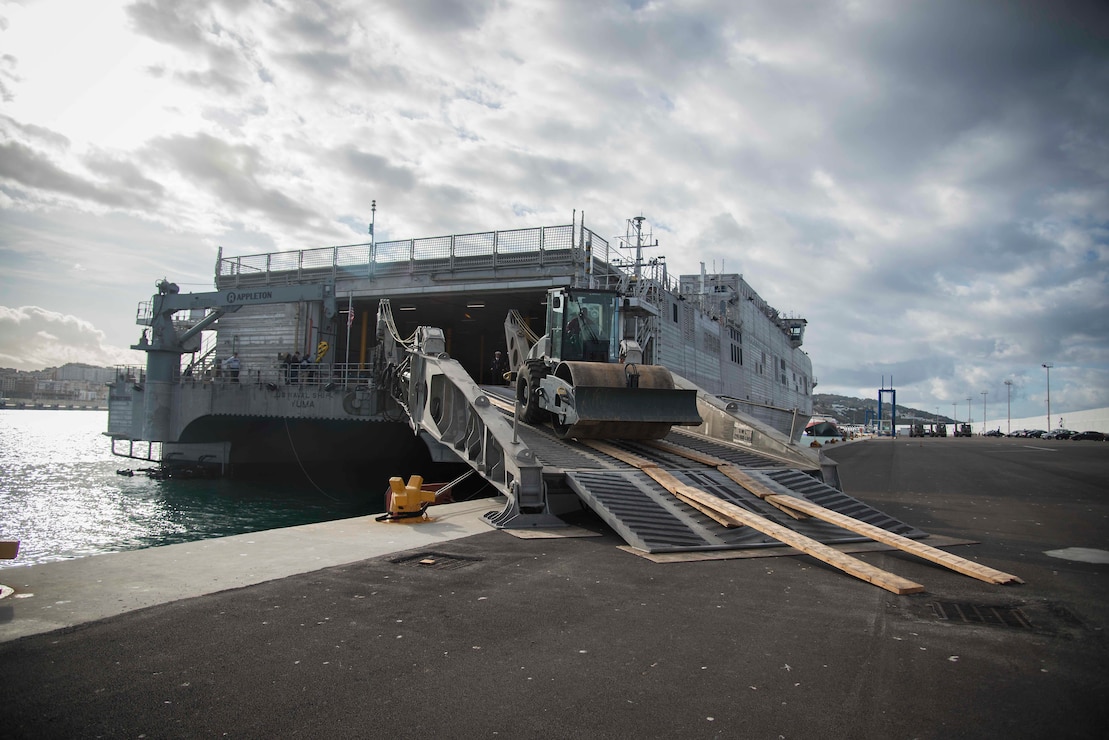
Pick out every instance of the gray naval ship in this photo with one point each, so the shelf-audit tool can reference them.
(221, 385)
(361, 354)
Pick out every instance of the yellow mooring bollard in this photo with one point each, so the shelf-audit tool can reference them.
(407, 501)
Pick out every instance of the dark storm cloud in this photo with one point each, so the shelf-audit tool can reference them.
(212, 80)
(905, 373)
(235, 173)
(665, 42)
(365, 166)
(23, 165)
(8, 77)
(173, 22)
(971, 69)
(322, 65)
(124, 174)
(30, 133)
(190, 25)
(444, 16)
(317, 23)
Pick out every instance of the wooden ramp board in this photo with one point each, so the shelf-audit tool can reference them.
(921, 550)
(652, 520)
(862, 570)
(758, 487)
(784, 551)
(704, 500)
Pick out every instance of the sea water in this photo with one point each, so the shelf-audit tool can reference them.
(61, 497)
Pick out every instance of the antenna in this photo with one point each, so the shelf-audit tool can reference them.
(639, 242)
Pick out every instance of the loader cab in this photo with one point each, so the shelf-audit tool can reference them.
(583, 325)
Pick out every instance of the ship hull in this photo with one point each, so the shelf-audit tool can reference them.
(329, 408)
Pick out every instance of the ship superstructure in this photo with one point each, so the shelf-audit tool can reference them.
(283, 358)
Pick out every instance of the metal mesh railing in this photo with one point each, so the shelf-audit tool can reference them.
(484, 250)
(336, 375)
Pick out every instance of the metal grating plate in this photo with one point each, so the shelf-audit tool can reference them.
(649, 518)
(734, 454)
(998, 616)
(435, 561)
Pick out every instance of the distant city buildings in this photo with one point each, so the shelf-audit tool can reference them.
(72, 384)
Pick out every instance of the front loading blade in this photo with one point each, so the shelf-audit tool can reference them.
(631, 413)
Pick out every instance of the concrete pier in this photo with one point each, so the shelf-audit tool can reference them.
(454, 634)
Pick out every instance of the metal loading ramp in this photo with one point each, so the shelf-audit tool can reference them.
(649, 518)
(686, 492)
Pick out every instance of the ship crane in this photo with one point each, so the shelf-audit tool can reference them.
(165, 346)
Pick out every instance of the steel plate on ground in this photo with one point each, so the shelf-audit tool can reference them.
(799, 484)
(734, 454)
(649, 518)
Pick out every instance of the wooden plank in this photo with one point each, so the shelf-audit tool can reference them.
(921, 550)
(783, 551)
(853, 566)
(754, 486)
(786, 501)
(719, 518)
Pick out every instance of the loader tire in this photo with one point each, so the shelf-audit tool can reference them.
(527, 386)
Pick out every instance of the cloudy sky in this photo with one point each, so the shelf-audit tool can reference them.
(926, 182)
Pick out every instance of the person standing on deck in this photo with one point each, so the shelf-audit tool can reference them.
(233, 366)
(499, 368)
(286, 362)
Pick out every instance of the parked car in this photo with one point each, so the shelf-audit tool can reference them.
(1037, 433)
(1060, 434)
(1090, 435)
(1018, 433)
(993, 433)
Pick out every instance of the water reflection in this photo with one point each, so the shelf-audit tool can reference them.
(61, 497)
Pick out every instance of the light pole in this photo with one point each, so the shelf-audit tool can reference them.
(1048, 366)
(984, 411)
(373, 217)
(1008, 407)
(969, 420)
(954, 421)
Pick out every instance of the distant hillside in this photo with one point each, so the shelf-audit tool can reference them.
(848, 410)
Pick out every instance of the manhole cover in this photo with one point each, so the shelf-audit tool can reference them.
(436, 561)
(1046, 617)
(989, 614)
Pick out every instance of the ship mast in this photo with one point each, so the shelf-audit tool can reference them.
(634, 237)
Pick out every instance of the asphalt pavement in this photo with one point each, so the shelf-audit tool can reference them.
(490, 635)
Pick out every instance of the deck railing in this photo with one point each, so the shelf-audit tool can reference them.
(569, 245)
(336, 374)
(540, 246)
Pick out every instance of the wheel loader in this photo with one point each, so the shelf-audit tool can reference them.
(588, 382)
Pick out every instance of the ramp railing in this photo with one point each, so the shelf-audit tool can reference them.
(446, 406)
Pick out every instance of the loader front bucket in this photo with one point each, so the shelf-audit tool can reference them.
(615, 401)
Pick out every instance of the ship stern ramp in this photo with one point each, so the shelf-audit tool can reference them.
(620, 479)
(722, 420)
